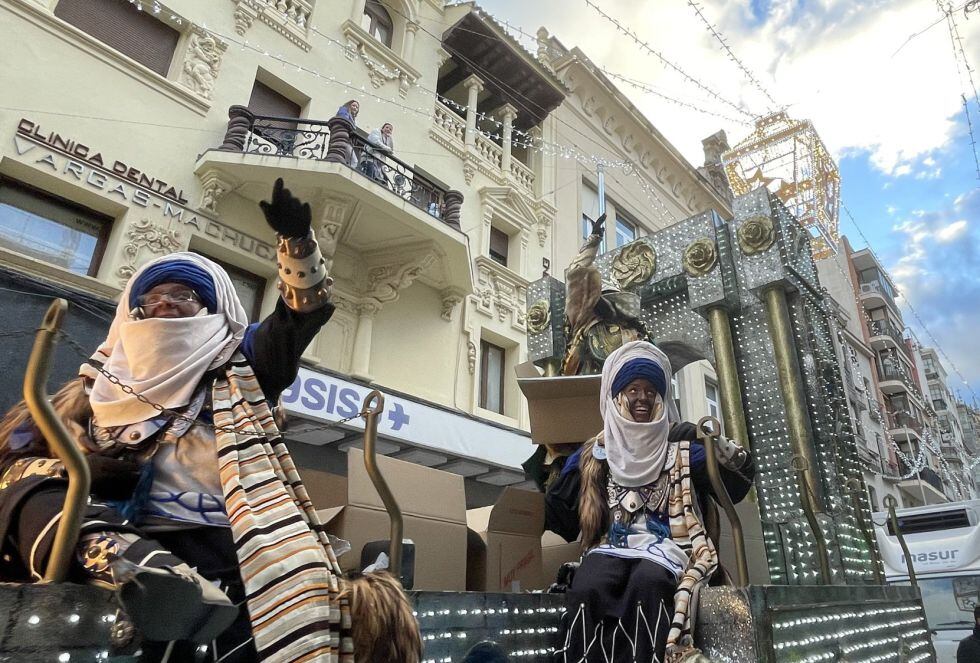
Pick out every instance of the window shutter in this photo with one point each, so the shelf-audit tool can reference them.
(116, 23)
(499, 242)
(266, 101)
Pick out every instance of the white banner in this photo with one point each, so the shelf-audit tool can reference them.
(328, 398)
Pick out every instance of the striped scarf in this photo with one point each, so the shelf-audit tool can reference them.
(291, 576)
(686, 530)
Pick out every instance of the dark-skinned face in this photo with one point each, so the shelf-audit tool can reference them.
(641, 398)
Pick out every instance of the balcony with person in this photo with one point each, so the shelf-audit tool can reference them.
(376, 210)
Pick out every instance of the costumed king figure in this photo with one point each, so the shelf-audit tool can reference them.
(197, 518)
(598, 319)
(635, 493)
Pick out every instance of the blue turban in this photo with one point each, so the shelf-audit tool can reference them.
(175, 271)
(640, 368)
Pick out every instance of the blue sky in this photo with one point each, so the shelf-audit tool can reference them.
(888, 108)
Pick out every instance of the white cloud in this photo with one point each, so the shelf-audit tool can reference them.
(833, 62)
(952, 232)
(933, 174)
(903, 169)
(936, 272)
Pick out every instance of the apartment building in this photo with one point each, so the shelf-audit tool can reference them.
(142, 128)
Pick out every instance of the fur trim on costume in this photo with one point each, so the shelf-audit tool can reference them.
(593, 510)
(383, 627)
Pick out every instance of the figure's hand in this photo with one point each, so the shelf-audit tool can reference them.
(599, 225)
(286, 214)
(729, 453)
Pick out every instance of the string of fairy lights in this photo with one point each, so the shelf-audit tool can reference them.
(962, 64)
(731, 55)
(668, 64)
(918, 461)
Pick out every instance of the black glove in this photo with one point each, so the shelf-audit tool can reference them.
(113, 478)
(286, 214)
(598, 226)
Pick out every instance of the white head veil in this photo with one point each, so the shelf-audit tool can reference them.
(636, 452)
(163, 359)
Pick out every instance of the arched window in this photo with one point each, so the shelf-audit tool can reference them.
(377, 22)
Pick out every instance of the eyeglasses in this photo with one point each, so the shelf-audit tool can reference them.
(176, 298)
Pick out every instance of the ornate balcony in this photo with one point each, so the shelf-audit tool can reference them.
(486, 156)
(374, 203)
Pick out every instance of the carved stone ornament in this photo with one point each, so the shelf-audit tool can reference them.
(213, 189)
(635, 264)
(201, 62)
(756, 235)
(700, 257)
(469, 170)
(471, 356)
(538, 316)
(143, 234)
(387, 282)
(450, 300)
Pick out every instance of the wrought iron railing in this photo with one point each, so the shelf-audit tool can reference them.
(883, 328)
(287, 137)
(897, 420)
(393, 174)
(336, 140)
(929, 475)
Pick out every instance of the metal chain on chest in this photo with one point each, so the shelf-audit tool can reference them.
(173, 414)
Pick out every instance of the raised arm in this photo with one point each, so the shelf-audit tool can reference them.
(583, 284)
(274, 346)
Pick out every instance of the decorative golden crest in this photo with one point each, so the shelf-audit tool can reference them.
(700, 257)
(756, 235)
(538, 316)
(635, 264)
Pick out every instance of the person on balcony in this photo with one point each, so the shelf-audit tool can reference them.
(197, 515)
(349, 112)
(379, 144)
(633, 492)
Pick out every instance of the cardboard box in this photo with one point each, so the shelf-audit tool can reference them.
(562, 409)
(504, 543)
(433, 506)
(555, 551)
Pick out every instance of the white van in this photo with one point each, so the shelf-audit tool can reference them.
(944, 544)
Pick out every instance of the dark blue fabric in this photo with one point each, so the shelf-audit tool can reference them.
(248, 343)
(23, 435)
(133, 509)
(344, 112)
(572, 462)
(176, 271)
(640, 368)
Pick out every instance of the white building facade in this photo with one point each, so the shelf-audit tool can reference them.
(132, 130)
